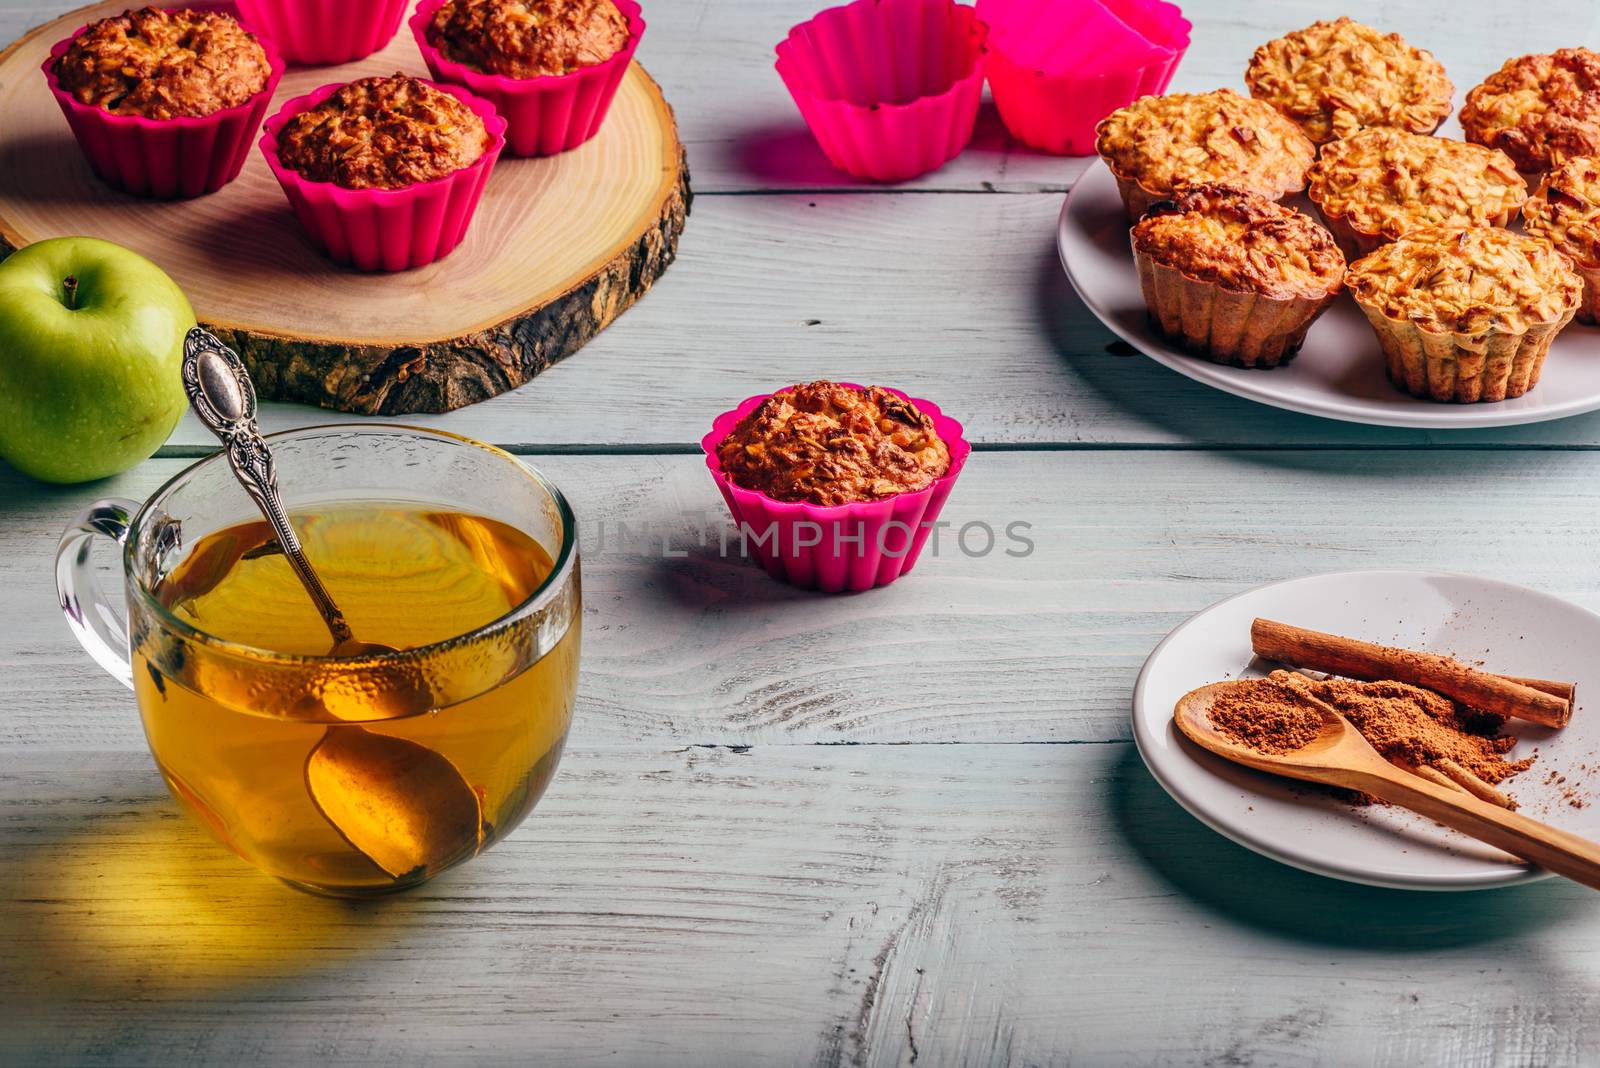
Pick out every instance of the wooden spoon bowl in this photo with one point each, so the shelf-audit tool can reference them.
(1340, 756)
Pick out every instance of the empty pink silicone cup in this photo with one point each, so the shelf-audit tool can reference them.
(1084, 36)
(1058, 113)
(1052, 88)
(889, 88)
(544, 116)
(324, 32)
(385, 229)
(165, 158)
(841, 547)
(1160, 23)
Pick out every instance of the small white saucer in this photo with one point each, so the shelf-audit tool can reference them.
(1516, 631)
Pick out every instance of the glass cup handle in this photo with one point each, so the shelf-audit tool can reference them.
(100, 628)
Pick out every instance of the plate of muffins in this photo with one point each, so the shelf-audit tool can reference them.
(1317, 245)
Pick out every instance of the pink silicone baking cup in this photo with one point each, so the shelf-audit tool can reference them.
(386, 229)
(842, 547)
(325, 32)
(889, 88)
(165, 158)
(544, 116)
(1054, 99)
(1085, 36)
(1058, 113)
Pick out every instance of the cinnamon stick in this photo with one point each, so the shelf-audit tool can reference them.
(1437, 777)
(1357, 659)
(1474, 785)
(1567, 691)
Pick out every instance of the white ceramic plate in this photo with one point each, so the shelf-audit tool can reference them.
(1516, 630)
(1338, 374)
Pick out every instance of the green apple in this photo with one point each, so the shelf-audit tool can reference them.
(91, 351)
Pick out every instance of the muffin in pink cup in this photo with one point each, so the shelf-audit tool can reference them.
(835, 486)
(889, 88)
(1052, 83)
(325, 32)
(553, 89)
(386, 201)
(150, 118)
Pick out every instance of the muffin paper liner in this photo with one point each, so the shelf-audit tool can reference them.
(544, 116)
(1589, 310)
(1463, 368)
(1225, 326)
(325, 32)
(385, 229)
(1136, 199)
(889, 88)
(165, 158)
(839, 547)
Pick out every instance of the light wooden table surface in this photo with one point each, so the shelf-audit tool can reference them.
(903, 827)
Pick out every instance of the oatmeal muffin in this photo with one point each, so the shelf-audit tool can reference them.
(1378, 184)
(831, 444)
(1159, 144)
(1539, 110)
(383, 133)
(1466, 313)
(1334, 78)
(528, 38)
(164, 64)
(1233, 276)
(1565, 211)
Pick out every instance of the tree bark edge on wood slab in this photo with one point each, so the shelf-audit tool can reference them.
(440, 376)
(451, 373)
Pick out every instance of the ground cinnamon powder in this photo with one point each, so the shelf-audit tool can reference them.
(1410, 726)
(1413, 727)
(1267, 715)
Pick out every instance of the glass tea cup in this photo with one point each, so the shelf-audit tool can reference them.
(345, 776)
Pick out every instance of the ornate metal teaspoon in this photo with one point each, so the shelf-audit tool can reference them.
(222, 395)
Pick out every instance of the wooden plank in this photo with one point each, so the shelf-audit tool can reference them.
(714, 60)
(960, 300)
(788, 905)
(698, 649)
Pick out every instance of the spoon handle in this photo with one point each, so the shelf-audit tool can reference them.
(223, 397)
(1537, 843)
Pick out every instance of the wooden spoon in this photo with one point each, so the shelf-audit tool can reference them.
(1340, 756)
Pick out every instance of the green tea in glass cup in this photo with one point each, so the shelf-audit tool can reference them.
(346, 775)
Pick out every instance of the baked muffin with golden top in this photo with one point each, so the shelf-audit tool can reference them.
(1234, 276)
(528, 38)
(383, 133)
(831, 444)
(1158, 144)
(1378, 184)
(164, 64)
(1334, 78)
(1466, 313)
(1565, 211)
(1540, 110)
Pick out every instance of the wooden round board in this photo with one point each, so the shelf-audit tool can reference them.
(558, 248)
